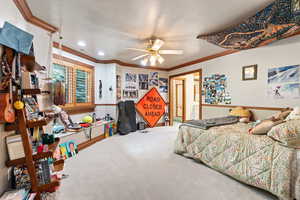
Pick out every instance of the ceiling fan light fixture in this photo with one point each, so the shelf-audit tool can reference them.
(157, 44)
(144, 61)
(152, 60)
(160, 59)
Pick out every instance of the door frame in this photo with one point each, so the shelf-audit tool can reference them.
(176, 100)
(171, 95)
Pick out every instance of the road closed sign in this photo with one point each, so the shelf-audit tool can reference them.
(151, 107)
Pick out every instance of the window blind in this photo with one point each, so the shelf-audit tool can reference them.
(81, 86)
(79, 82)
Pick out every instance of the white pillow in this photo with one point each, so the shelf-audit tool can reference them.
(294, 115)
(264, 127)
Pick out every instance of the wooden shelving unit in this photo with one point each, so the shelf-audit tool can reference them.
(31, 91)
(38, 123)
(50, 187)
(38, 156)
(30, 159)
(30, 124)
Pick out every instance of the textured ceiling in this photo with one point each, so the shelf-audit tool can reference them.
(112, 26)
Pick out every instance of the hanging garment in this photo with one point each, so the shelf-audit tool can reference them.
(100, 89)
(59, 93)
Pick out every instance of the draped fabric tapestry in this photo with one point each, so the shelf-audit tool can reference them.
(279, 20)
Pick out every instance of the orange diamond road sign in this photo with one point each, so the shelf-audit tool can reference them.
(151, 107)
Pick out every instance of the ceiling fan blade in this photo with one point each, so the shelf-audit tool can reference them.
(134, 49)
(160, 59)
(139, 57)
(172, 52)
(157, 44)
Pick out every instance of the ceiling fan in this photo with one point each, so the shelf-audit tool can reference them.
(153, 52)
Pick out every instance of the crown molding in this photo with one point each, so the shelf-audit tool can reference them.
(114, 61)
(74, 52)
(69, 60)
(29, 17)
(204, 59)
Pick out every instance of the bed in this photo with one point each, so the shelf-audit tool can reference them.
(255, 160)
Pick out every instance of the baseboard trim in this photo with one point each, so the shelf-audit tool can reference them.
(86, 144)
(157, 125)
(247, 107)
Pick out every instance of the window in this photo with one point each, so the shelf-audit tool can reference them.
(60, 73)
(81, 86)
(78, 79)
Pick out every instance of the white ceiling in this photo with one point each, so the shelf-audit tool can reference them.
(112, 26)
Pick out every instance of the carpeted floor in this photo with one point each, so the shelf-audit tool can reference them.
(142, 166)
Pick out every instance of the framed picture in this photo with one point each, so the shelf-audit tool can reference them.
(250, 73)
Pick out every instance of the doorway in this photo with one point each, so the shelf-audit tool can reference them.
(185, 97)
(179, 100)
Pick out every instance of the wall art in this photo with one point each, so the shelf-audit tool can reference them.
(143, 81)
(130, 94)
(249, 73)
(278, 20)
(153, 80)
(284, 82)
(215, 89)
(119, 88)
(163, 85)
(129, 77)
(130, 81)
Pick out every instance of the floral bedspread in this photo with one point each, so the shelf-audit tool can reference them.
(255, 160)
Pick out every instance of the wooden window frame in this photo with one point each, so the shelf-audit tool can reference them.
(73, 65)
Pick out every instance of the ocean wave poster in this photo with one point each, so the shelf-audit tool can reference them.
(284, 82)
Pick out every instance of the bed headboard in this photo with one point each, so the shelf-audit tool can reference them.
(211, 111)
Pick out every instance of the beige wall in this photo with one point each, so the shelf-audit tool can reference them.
(252, 93)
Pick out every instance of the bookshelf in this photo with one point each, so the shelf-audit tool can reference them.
(31, 91)
(30, 124)
(30, 160)
(35, 157)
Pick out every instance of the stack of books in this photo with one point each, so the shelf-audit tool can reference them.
(44, 173)
(29, 80)
(21, 194)
(32, 108)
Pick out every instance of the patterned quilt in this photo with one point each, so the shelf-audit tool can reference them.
(255, 160)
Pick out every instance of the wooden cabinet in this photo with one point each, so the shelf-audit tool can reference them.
(87, 136)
